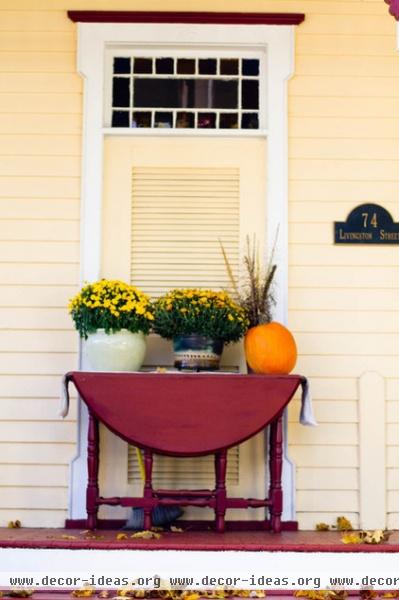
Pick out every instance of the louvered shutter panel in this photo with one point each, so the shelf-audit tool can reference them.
(178, 216)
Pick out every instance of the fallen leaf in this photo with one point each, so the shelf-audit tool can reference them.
(121, 536)
(69, 537)
(19, 593)
(351, 538)
(368, 594)
(191, 596)
(103, 594)
(343, 524)
(374, 537)
(14, 524)
(176, 529)
(322, 527)
(146, 535)
(83, 593)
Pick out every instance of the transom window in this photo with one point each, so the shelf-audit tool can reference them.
(183, 92)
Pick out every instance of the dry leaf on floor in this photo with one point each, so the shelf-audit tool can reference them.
(69, 537)
(391, 594)
(14, 524)
(343, 524)
(146, 535)
(83, 593)
(374, 537)
(122, 536)
(322, 527)
(19, 593)
(351, 538)
(103, 594)
(368, 594)
(191, 596)
(175, 529)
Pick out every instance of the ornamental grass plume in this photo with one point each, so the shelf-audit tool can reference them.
(111, 305)
(254, 293)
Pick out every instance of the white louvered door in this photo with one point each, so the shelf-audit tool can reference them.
(167, 203)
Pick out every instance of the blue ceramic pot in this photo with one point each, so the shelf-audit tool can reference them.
(197, 352)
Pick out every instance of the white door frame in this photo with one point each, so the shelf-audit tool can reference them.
(93, 39)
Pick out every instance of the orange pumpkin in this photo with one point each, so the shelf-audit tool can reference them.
(270, 348)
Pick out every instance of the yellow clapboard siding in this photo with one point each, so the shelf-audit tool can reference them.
(31, 386)
(327, 412)
(334, 389)
(342, 128)
(359, 66)
(338, 45)
(40, 145)
(45, 409)
(357, 344)
(308, 520)
(46, 341)
(39, 273)
(37, 62)
(349, 321)
(392, 434)
(33, 252)
(345, 149)
(34, 20)
(56, 296)
(40, 453)
(42, 83)
(392, 501)
(42, 363)
(35, 318)
(358, 24)
(34, 518)
(329, 434)
(37, 123)
(38, 431)
(327, 479)
(392, 456)
(348, 299)
(62, 104)
(38, 229)
(324, 456)
(344, 170)
(308, 204)
(38, 210)
(32, 497)
(341, 86)
(393, 520)
(34, 41)
(40, 166)
(39, 187)
(309, 106)
(343, 277)
(343, 501)
(33, 475)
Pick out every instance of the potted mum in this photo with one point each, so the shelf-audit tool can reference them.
(113, 317)
(199, 322)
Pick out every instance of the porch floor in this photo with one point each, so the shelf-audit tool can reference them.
(289, 541)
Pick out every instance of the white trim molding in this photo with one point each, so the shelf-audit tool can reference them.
(277, 42)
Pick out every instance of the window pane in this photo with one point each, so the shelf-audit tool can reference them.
(206, 120)
(229, 66)
(186, 66)
(185, 119)
(163, 119)
(207, 66)
(141, 119)
(164, 66)
(250, 93)
(250, 121)
(142, 65)
(228, 121)
(121, 65)
(120, 118)
(121, 91)
(225, 94)
(155, 93)
(250, 67)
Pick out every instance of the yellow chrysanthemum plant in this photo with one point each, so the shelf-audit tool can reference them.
(111, 305)
(208, 313)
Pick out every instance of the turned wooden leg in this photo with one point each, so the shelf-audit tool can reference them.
(148, 492)
(92, 491)
(276, 468)
(220, 491)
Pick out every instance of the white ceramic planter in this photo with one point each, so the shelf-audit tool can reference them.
(119, 351)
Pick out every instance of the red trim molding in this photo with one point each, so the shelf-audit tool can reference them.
(223, 18)
(393, 8)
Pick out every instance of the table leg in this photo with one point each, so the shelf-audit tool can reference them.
(220, 471)
(148, 491)
(276, 467)
(92, 491)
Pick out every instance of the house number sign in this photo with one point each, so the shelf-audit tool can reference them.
(367, 224)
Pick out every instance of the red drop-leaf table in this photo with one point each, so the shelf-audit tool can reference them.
(185, 414)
